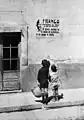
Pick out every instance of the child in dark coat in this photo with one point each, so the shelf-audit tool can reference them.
(43, 77)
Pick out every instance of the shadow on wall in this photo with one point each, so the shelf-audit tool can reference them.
(71, 75)
(29, 77)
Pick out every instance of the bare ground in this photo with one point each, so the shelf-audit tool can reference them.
(69, 113)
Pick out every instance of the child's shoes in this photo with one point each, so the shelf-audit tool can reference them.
(55, 98)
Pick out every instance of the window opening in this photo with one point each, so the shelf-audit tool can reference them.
(10, 51)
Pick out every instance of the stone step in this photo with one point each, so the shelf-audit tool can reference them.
(11, 84)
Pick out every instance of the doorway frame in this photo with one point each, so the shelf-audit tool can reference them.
(2, 71)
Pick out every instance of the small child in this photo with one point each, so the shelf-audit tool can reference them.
(55, 81)
(42, 77)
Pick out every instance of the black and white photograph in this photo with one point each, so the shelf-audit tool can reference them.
(41, 59)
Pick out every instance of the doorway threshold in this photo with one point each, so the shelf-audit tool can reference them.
(12, 91)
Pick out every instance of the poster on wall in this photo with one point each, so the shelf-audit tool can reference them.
(47, 27)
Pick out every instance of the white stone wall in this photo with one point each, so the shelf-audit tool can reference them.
(69, 42)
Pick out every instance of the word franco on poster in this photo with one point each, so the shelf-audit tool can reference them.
(47, 27)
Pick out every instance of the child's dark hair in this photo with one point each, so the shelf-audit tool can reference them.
(54, 68)
(44, 62)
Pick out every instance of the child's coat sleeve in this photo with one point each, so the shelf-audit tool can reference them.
(38, 76)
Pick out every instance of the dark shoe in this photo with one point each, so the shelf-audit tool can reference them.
(45, 101)
(55, 98)
(62, 95)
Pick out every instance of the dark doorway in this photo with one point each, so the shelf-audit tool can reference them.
(10, 60)
(10, 51)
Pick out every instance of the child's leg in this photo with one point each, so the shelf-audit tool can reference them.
(43, 90)
(46, 90)
(55, 93)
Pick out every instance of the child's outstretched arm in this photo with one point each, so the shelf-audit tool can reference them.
(38, 77)
(60, 81)
(59, 78)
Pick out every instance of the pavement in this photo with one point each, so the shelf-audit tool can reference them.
(25, 101)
